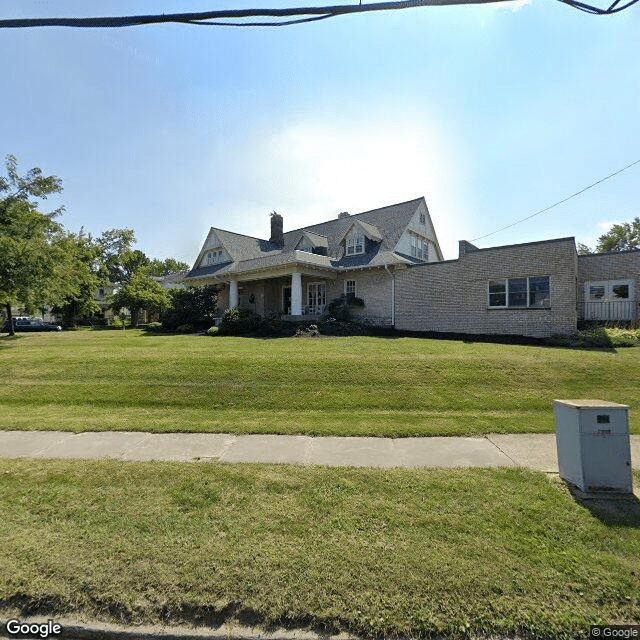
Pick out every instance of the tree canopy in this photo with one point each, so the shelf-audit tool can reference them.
(41, 264)
(140, 292)
(33, 260)
(621, 237)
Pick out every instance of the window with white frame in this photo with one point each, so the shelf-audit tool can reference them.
(419, 247)
(316, 296)
(609, 290)
(350, 289)
(355, 244)
(531, 292)
(214, 257)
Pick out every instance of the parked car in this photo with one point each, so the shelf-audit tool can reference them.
(31, 324)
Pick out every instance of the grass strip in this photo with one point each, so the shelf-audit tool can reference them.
(126, 380)
(412, 552)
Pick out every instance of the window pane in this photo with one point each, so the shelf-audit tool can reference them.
(518, 292)
(539, 292)
(621, 291)
(497, 293)
(596, 293)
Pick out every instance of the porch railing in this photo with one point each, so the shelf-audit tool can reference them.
(610, 310)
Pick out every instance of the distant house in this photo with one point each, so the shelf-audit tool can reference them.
(172, 280)
(391, 259)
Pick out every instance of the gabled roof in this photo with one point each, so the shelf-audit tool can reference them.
(368, 229)
(384, 225)
(241, 247)
(315, 239)
(390, 222)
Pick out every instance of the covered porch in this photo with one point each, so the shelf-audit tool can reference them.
(294, 293)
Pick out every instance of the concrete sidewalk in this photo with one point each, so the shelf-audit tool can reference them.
(534, 451)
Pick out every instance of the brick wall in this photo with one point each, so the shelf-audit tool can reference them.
(451, 296)
(374, 287)
(609, 266)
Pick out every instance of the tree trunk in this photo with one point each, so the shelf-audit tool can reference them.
(12, 331)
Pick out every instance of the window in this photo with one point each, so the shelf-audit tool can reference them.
(316, 296)
(609, 300)
(423, 218)
(620, 291)
(355, 244)
(214, 257)
(608, 290)
(350, 289)
(419, 247)
(306, 247)
(531, 292)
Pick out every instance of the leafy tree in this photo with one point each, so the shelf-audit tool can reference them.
(114, 245)
(621, 237)
(32, 258)
(84, 253)
(583, 249)
(166, 267)
(195, 306)
(140, 292)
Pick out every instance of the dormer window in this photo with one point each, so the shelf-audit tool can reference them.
(355, 244)
(306, 247)
(214, 257)
(419, 247)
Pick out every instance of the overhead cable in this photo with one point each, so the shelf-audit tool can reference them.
(239, 17)
(555, 204)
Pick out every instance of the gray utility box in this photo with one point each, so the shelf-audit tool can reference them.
(593, 444)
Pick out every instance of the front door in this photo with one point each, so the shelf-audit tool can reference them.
(286, 300)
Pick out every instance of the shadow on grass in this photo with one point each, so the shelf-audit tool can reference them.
(8, 340)
(616, 509)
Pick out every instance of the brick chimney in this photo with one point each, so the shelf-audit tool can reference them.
(343, 214)
(465, 247)
(277, 234)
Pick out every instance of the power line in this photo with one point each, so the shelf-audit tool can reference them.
(573, 195)
(235, 17)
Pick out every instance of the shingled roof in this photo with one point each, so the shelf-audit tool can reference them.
(387, 223)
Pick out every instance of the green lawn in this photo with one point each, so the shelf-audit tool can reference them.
(504, 551)
(126, 380)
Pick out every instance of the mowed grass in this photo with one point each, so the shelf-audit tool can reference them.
(410, 552)
(126, 380)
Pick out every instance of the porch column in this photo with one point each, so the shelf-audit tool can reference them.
(296, 294)
(233, 294)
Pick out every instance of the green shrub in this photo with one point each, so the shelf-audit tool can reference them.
(184, 328)
(598, 338)
(340, 308)
(195, 306)
(239, 322)
(154, 327)
(212, 331)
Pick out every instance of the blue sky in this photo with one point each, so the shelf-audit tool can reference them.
(490, 112)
